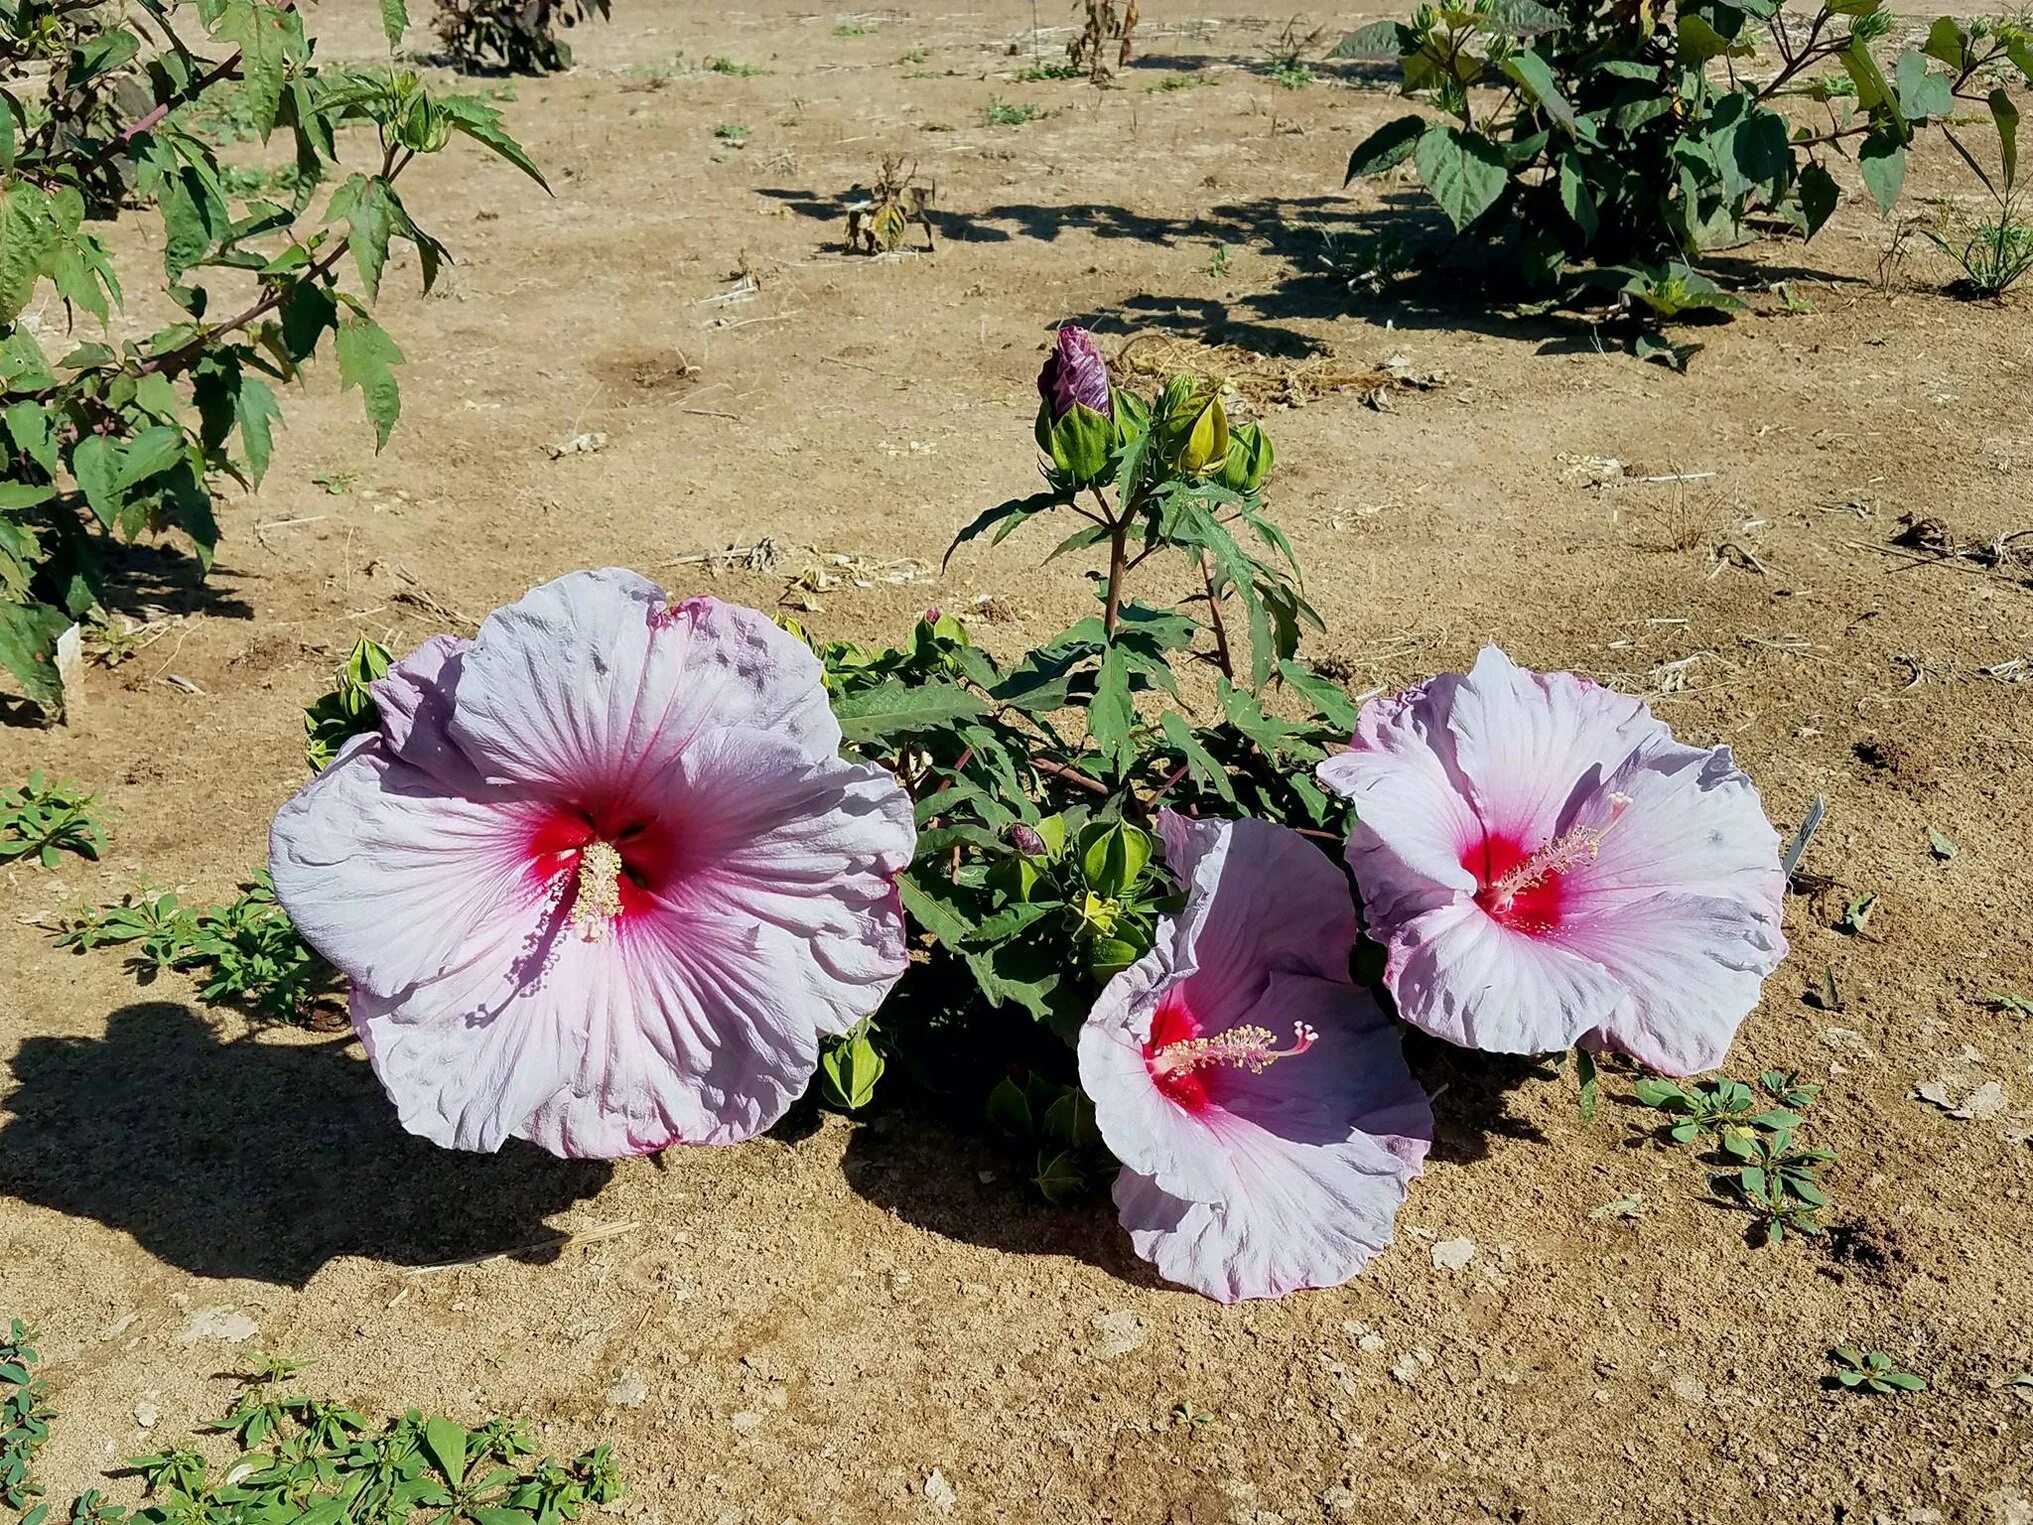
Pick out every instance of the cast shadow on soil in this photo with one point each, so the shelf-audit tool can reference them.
(1323, 242)
(257, 1159)
(931, 1175)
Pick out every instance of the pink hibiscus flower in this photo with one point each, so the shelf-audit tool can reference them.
(601, 880)
(1545, 865)
(1258, 1100)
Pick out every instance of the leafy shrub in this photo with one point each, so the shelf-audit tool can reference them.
(111, 442)
(1760, 1167)
(516, 36)
(1634, 136)
(1997, 250)
(24, 1419)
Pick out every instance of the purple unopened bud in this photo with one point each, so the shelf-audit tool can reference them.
(1074, 372)
(1026, 840)
(932, 615)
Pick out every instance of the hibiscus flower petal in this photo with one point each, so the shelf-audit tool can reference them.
(1460, 975)
(810, 848)
(1258, 896)
(1692, 823)
(1527, 743)
(595, 681)
(415, 700)
(388, 873)
(1691, 965)
(1299, 1216)
(1413, 821)
(679, 1029)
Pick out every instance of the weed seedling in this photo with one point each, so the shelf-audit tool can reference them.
(24, 1419)
(733, 134)
(1871, 1372)
(1759, 1164)
(734, 70)
(1001, 113)
(45, 817)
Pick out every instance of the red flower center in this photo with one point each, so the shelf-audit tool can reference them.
(1524, 889)
(617, 856)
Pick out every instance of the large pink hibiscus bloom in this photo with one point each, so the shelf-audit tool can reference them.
(1545, 865)
(1258, 1101)
(601, 880)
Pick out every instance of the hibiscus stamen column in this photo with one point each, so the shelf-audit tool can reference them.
(1562, 855)
(597, 904)
(1249, 1048)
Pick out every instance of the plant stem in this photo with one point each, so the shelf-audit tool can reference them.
(1221, 653)
(1070, 775)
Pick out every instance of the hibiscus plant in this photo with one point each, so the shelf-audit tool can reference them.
(105, 113)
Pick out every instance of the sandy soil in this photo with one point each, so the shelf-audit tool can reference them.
(807, 1328)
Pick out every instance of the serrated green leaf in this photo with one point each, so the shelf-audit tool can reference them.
(1386, 148)
(28, 241)
(895, 707)
(256, 411)
(366, 355)
(394, 21)
(1111, 717)
(1464, 172)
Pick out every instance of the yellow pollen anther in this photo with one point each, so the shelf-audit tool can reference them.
(598, 902)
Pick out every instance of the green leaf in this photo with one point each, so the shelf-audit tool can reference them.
(1591, 1083)
(482, 123)
(255, 408)
(1201, 766)
(153, 451)
(1378, 41)
(1577, 199)
(1948, 40)
(394, 21)
(447, 1443)
(1328, 698)
(366, 355)
(28, 636)
(1111, 717)
(1386, 148)
(1882, 159)
(95, 462)
(895, 707)
(2006, 116)
(1923, 94)
(1465, 172)
(268, 37)
(1004, 518)
(1536, 76)
(1819, 195)
(28, 240)
(371, 217)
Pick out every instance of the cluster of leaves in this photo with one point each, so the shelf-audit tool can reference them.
(1871, 1372)
(347, 709)
(108, 441)
(45, 817)
(1037, 780)
(316, 1461)
(515, 36)
(1996, 249)
(246, 953)
(1759, 1163)
(1617, 141)
(24, 1421)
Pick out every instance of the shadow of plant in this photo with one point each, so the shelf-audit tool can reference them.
(261, 1157)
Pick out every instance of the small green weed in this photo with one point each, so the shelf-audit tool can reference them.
(733, 134)
(1760, 1166)
(24, 1419)
(1217, 263)
(245, 953)
(1870, 1372)
(46, 817)
(734, 70)
(1173, 82)
(1001, 113)
(1033, 74)
(1292, 73)
(853, 29)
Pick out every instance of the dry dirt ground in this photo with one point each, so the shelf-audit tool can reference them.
(810, 1327)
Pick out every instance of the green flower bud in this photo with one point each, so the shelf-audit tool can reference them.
(1080, 442)
(1195, 427)
(1249, 458)
(848, 1072)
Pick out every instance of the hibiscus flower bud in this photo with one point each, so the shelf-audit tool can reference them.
(1249, 458)
(1025, 839)
(848, 1072)
(1195, 427)
(1076, 414)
